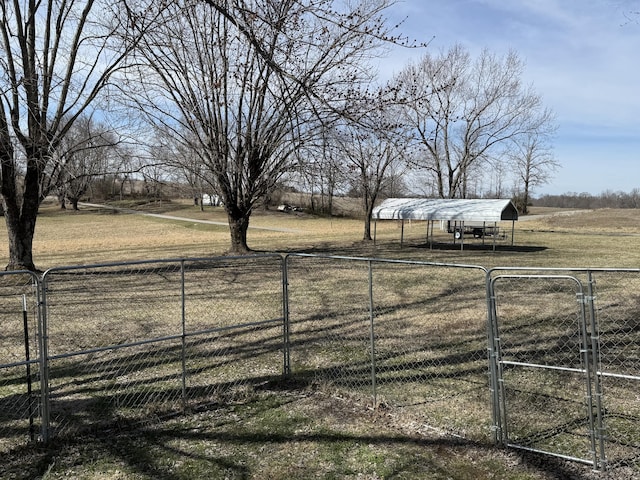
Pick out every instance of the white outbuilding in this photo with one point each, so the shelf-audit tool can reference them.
(477, 217)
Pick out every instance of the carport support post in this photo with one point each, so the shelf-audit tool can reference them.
(513, 228)
(495, 234)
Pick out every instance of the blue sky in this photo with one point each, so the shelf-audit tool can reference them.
(581, 56)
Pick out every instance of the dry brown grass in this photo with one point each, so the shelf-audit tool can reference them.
(608, 220)
(421, 366)
(593, 238)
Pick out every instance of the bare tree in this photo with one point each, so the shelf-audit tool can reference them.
(82, 156)
(465, 112)
(374, 145)
(533, 163)
(183, 165)
(245, 82)
(57, 57)
(321, 171)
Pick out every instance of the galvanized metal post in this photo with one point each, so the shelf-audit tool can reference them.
(595, 358)
(584, 350)
(286, 345)
(43, 343)
(493, 357)
(184, 334)
(513, 230)
(27, 357)
(372, 337)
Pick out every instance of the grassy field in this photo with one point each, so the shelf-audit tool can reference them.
(300, 431)
(548, 238)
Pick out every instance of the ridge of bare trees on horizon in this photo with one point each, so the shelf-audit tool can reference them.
(606, 199)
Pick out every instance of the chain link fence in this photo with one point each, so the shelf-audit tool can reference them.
(567, 344)
(409, 335)
(617, 321)
(19, 359)
(132, 342)
(556, 369)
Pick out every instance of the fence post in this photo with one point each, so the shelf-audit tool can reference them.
(184, 335)
(43, 344)
(27, 356)
(595, 356)
(286, 345)
(372, 337)
(493, 352)
(585, 347)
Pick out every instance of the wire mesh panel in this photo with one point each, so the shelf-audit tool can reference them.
(431, 345)
(233, 326)
(408, 335)
(19, 359)
(556, 369)
(330, 322)
(114, 343)
(547, 403)
(617, 314)
(135, 341)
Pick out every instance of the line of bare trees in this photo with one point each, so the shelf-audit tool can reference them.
(606, 199)
(238, 96)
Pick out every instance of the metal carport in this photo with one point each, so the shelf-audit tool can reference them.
(453, 210)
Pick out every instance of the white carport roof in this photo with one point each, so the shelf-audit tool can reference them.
(461, 210)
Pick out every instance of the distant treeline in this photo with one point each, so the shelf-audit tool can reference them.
(607, 199)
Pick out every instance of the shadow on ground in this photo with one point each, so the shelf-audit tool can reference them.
(279, 431)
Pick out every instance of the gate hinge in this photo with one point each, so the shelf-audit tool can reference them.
(586, 299)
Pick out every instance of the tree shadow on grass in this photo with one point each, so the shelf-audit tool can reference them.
(276, 433)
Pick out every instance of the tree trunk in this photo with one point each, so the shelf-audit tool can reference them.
(74, 203)
(368, 213)
(238, 226)
(20, 213)
(20, 230)
(367, 229)
(525, 199)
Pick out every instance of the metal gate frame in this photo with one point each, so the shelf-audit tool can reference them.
(25, 286)
(589, 349)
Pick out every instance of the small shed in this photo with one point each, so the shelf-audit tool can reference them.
(463, 213)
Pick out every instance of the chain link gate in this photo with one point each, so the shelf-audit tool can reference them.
(20, 356)
(546, 392)
(615, 311)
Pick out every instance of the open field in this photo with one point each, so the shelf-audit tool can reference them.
(305, 429)
(590, 238)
